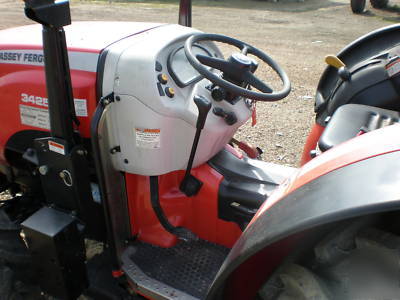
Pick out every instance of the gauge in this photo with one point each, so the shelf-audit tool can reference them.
(180, 69)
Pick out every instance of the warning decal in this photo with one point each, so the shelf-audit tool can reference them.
(34, 116)
(393, 68)
(148, 138)
(80, 107)
(56, 147)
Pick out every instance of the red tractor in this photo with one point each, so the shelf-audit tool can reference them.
(121, 133)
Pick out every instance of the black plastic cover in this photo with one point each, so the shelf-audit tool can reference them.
(58, 252)
(352, 119)
(246, 185)
(366, 49)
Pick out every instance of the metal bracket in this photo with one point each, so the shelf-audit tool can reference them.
(106, 100)
(115, 149)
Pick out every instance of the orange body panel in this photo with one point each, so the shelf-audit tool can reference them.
(311, 143)
(198, 213)
(16, 80)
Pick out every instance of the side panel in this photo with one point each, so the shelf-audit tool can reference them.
(24, 100)
(198, 213)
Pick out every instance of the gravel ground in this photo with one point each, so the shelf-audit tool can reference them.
(297, 35)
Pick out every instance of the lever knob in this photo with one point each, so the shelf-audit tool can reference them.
(204, 106)
(218, 93)
(334, 61)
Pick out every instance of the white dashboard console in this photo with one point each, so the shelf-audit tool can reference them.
(153, 120)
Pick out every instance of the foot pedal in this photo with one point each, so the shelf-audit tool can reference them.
(185, 234)
(181, 233)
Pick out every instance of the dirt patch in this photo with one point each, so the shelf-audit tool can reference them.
(297, 35)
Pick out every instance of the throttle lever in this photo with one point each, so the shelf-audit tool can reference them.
(190, 185)
(204, 106)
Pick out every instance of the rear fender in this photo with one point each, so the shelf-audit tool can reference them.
(361, 49)
(353, 188)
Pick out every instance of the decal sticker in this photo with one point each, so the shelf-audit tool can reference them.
(40, 101)
(80, 107)
(34, 116)
(148, 138)
(56, 147)
(84, 61)
(393, 67)
(80, 104)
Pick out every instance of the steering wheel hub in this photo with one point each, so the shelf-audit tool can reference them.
(240, 59)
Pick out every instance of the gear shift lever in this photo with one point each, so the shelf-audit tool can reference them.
(190, 185)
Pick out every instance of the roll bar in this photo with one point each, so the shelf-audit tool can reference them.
(185, 13)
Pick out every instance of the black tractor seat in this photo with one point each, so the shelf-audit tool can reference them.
(350, 120)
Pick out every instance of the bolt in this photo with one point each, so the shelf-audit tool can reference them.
(43, 170)
(126, 161)
(118, 98)
(62, 174)
(30, 152)
(80, 152)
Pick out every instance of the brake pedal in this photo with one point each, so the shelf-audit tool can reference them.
(181, 233)
(185, 234)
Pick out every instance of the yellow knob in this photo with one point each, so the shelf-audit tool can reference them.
(162, 78)
(170, 92)
(334, 61)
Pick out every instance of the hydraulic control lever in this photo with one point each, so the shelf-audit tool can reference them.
(337, 63)
(190, 185)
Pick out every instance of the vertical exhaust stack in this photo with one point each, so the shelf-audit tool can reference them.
(185, 13)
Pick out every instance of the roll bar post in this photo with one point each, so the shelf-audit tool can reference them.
(53, 15)
(185, 13)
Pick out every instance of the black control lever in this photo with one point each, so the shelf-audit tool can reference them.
(228, 116)
(190, 185)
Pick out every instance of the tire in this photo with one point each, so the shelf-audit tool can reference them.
(15, 276)
(358, 6)
(379, 3)
(341, 266)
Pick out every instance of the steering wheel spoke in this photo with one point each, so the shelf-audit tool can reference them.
(214, 62)
(251, 79)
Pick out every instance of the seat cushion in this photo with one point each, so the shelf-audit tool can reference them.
(351, 119)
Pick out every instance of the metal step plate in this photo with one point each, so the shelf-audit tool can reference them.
(184, 271)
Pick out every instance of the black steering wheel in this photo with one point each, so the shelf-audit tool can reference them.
(238, 70)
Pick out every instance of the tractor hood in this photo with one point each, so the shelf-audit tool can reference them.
(81, 36)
